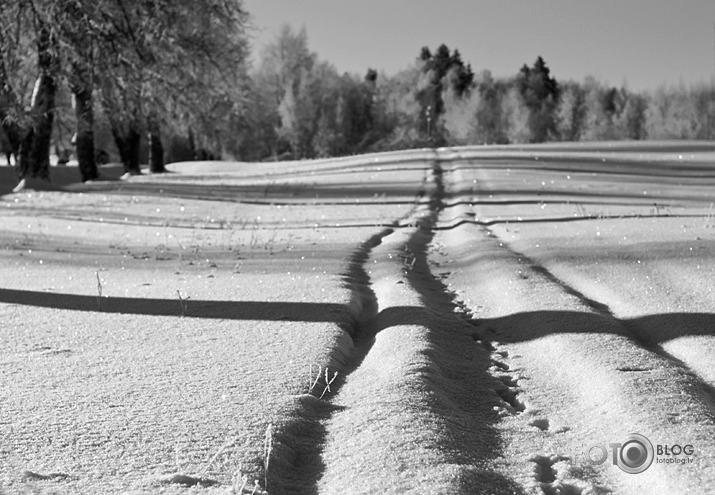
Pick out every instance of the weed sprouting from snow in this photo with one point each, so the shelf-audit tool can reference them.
(268, 245)
(267, 452)
(183, 302)
(99, 291)
(254, 237)
(322, 373)
(328, 382)
(709, 224)
(196, 251)
(229, 239)
(44, 237)
(408, 259)
(240, 482)
(220, 451)
(177, 462)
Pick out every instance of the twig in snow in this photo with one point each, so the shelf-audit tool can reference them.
(267, 451)
(237, 489)
(312, 385)
(328, 382)
(99, 291)
(220, 451)
(183, 301)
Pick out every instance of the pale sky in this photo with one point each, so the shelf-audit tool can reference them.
(644, 43)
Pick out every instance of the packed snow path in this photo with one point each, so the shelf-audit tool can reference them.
(462, 314)
(476, 320)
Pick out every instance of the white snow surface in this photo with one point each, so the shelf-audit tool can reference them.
(462, 320)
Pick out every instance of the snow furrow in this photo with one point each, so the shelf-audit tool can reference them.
(637, 331)
(419, 407)
(294, 462)
(684, 337)
(641, 335)
(585, 378)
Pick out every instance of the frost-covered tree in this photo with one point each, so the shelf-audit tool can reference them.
(29, 48)
(490, 116)
(179, 64)
(283, 64)
(629, 122)
(571, 112)
(516, 117)
(540, 93)
(441, 71)
(154, 62)
(460, 117)
(672, 114)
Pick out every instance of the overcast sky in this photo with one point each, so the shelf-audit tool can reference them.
(643, 43)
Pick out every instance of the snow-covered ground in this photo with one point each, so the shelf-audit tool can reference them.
(470, 320)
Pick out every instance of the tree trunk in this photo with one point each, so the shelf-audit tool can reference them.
(192, 145)
(156, 148)
(8, 101)
(35, 159)
(12, 135)
(127, 140)
(23, 161)
(84, 140)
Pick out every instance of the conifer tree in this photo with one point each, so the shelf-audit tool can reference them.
(540, 93)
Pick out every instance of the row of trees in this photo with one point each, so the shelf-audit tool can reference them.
(504, 112)
(153, 66)
(439, 100)
(176, 71)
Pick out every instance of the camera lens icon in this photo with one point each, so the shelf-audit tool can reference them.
(636, 454)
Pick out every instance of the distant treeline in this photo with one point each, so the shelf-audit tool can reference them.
(102, 82)
(306, 109)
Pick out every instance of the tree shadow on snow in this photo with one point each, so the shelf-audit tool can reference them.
(229, 310)
(463, 387)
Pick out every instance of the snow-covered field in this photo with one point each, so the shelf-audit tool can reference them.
(489, 320)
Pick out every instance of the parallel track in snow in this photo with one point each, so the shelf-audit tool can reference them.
(479, 318)
(500, 395)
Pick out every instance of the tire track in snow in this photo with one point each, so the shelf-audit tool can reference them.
(634, 331)
(583, 370)
(418, 406)
(419, 403)
(293, 463)
(657, 331)
(537, 473)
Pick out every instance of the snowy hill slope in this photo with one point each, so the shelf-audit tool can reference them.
(471, 320)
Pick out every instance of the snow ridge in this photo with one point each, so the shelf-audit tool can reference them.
(295, 461)
(583, 370)
(640, 335)
(418, 376)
